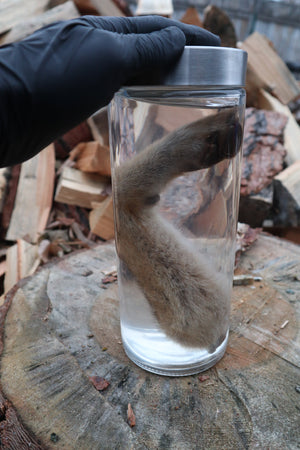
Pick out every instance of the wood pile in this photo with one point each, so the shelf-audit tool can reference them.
(61, 199)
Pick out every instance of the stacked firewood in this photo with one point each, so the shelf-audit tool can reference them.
(61, 200)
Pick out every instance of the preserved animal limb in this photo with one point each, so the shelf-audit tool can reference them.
(187, 296)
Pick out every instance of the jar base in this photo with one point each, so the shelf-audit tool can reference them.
(177, 369)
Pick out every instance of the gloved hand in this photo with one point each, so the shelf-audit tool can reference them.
(63, 73)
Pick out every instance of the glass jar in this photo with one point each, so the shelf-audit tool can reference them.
(176, 163)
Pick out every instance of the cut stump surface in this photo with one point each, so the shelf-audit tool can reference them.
(61, 330)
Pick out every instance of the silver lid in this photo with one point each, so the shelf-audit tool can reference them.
(209, 66)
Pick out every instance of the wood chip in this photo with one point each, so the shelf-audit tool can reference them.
(243, 280)
(130, 416)
(99, 383)
(284, 324)
(203, 378)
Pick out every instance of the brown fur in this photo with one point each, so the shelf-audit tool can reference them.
(188, 298)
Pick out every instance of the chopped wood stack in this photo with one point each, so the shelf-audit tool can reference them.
(61, 199)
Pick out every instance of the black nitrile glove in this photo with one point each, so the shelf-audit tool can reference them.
(63, 73)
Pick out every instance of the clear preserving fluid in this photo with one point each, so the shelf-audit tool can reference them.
(193, 215)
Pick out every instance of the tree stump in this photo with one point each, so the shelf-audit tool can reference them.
(61, 330)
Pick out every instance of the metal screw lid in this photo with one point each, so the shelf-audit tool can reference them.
(209, 66)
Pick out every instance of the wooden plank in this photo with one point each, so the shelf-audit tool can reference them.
(292, 129)
(21, 260)
(267, 70)
(15, 11)
(246, 401)
(102, 219)
(26, 27)
(81, 189)
(34, 197)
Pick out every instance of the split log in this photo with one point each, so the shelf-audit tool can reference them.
(92, 157)
(191, 17)
(21, 260)
(107, 8)
(102, 219)
(24, 28)
(86, 7)
(124, 7)
(80, 189)
(65, 143)
(263, 151)
(263, 158)
(61, 329)
(255, 209)
(157, 7)
(292, 129)
(54, 3)
(291, 234)
(16, 11)
(4, 176)
(34, 197)
(295, 108)
(287, 196)
(267, 70)
(103, 7)
(9, 200)
(218, 22)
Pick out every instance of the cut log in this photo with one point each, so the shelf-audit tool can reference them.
(92, 157)
(102, 219)
(292, 129)
(62, 327)
(287, 196)
(26, 27)
(191, 17)
(218, 22)
(34, 197)
(21, 260)
(16, 11)
(80, 189)
(267, 70)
